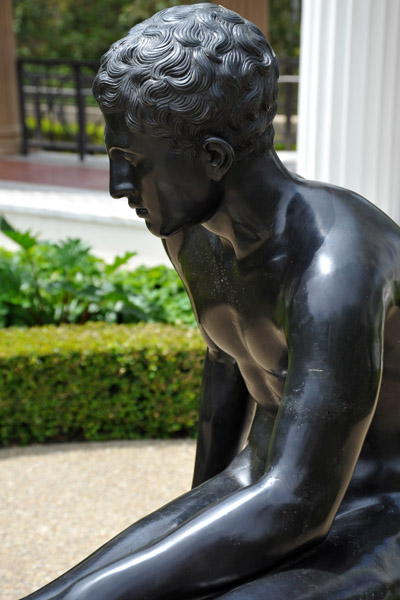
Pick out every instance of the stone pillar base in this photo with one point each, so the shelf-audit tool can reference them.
(10, 138)
(256, 11)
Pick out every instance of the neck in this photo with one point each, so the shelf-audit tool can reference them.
(252, 193)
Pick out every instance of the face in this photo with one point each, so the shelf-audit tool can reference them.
(168, 190)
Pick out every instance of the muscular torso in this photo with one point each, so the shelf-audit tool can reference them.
(237, 310)
(243, 308)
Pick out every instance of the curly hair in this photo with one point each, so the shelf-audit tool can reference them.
(192, 72)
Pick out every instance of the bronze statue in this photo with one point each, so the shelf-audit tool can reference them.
(295, 285)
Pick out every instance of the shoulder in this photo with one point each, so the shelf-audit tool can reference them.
(344, 254)
(338, 229)
(333, 209)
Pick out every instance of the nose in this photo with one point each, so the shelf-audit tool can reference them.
(121, 176)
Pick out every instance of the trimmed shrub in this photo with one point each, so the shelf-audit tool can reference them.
(45, 283)
(98, 382)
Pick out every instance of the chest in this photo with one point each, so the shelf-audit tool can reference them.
(240, 310)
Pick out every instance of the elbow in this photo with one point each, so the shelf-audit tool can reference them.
(313, 510)
(301, 529)
(313, 522)
(295, 521)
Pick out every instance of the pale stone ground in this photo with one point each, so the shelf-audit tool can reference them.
(59, 503)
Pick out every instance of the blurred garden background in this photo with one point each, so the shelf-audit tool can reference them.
(53, 277)
(97, 338)
(73, 256)
(98, 342)
(60, 42)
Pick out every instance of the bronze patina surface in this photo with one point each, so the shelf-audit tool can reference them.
(295, 285)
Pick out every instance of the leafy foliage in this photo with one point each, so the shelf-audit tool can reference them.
(84, 29)
(284, 27)
(50, 283)
(77, 29)
(98, 382)
(53, 130)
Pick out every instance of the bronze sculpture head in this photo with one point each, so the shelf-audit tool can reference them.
(193, 72)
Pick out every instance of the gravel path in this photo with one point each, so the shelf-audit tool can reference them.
(59, 503)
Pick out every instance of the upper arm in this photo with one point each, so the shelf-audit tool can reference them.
(335, 343)
(226, 411)
(226, 408)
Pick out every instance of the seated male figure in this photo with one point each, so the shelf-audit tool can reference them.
(295, 286)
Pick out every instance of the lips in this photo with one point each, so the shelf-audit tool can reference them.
(135, 205)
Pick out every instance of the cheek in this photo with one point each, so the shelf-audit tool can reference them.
(149, 193)
(171, 198)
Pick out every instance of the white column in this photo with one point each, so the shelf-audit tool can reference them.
(349, 97)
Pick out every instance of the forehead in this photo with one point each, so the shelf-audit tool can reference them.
(116, 131)
(119, 137)
(156, 149)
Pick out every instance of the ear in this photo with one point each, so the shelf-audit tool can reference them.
(217, 156)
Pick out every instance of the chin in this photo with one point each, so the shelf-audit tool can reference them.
(152, 229)
(166, 230)
(162, 232)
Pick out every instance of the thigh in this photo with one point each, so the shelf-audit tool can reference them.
(359, 560)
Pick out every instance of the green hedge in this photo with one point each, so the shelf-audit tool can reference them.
(98, 382)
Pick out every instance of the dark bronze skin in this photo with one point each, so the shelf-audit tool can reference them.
(295, 286)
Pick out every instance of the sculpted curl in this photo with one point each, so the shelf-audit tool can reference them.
(192, 72)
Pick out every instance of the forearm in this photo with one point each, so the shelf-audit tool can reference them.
(144, 533)
(225, 416)
(245, 533)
